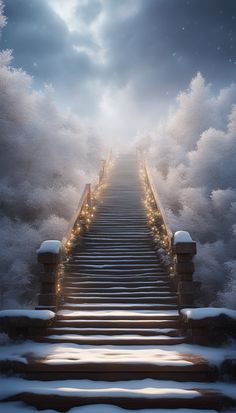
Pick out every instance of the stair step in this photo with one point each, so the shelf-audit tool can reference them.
(68, 313)
(154, 280)
(117, 265)
(77, 364)
(118, 275)
(76, 292)
(100, 340)
(114, 262)
(105, 284)
(117, 255)
(170, 332)
(119, 306)
(115, 290)
(96, 299)
(76, 269)
(126, 281)
(89, 323)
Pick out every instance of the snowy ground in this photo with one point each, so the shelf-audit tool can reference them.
(207, 312)
(18, 407)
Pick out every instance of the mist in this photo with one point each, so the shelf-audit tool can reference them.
(193, 155)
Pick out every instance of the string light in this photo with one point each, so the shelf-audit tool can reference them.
(154, 218)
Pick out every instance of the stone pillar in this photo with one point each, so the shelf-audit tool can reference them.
(49, 256)
(184, 249)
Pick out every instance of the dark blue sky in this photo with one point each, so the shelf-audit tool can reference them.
(105, 56)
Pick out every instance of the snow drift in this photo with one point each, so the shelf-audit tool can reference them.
(45, 158)
(194, 154)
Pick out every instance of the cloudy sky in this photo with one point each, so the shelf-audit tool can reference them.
(120, 63)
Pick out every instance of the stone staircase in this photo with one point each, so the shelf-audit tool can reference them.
(117, 338)
(118, 270)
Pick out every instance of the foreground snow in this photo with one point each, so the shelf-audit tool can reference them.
(207, 312)
(35, 314)
(18, 407)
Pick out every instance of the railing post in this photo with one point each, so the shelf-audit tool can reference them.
(102, 171)
(184, 249)
(49, 256)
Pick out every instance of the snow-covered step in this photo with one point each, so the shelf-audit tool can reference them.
(77, 292)
(71, 287)
(100, 340)
(115, 264)
(119, 314)
(116, 323)
(74, 273)
(116, 276)
(114, 363)
(89, 282)
(136, 231)
(138, 261)
(116, 306)
(134, 394)
(123, 300)
(116, 255)
(122, 247)
(170, 332)
(113, 270)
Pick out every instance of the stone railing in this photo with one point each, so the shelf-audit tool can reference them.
(177, 250)
(52, 253)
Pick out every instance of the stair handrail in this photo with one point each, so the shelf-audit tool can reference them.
(86, 195)
(151, 185)
(87, 198)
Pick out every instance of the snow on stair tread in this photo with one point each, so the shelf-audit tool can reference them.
(143, 313)
(149, 387)
(111, 329)
(137, 391)
(130, 305)
(143, 355)
(101, 256)
(120, 294)
(114, 337)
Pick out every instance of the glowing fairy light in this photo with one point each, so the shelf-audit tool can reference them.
(155, 221)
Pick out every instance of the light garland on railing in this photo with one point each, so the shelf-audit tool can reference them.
(59, 278)
(86, 215)
(155, 222)
(81, 225)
